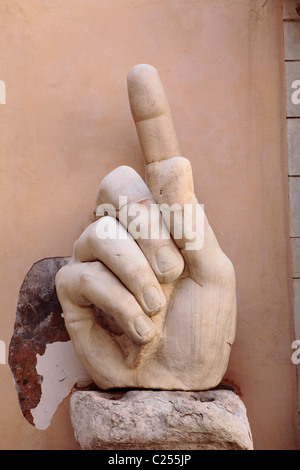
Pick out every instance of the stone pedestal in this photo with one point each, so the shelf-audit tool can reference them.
(160, 420)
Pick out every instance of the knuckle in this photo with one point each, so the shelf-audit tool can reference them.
(61, 278)
(84, 282)
(85, 243)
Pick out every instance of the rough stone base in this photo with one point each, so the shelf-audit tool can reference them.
(160, 420)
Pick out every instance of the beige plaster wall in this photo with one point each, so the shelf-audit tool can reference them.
(66, 123)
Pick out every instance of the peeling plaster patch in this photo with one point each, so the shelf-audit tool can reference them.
(38, 322)
(60, 369)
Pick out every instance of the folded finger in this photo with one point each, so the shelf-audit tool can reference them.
(107, 241)
(136, 209)
(93, 283)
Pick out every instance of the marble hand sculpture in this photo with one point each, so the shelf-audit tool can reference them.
(157, 311)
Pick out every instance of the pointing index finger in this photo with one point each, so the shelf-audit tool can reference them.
(168, 174)
(151, 113)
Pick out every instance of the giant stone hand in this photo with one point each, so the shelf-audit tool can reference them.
(144, 309)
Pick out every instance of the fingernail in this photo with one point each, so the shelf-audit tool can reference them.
(167, 258)
(143, 325)
(153, 299)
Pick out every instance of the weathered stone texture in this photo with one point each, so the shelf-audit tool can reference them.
(167, 420)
